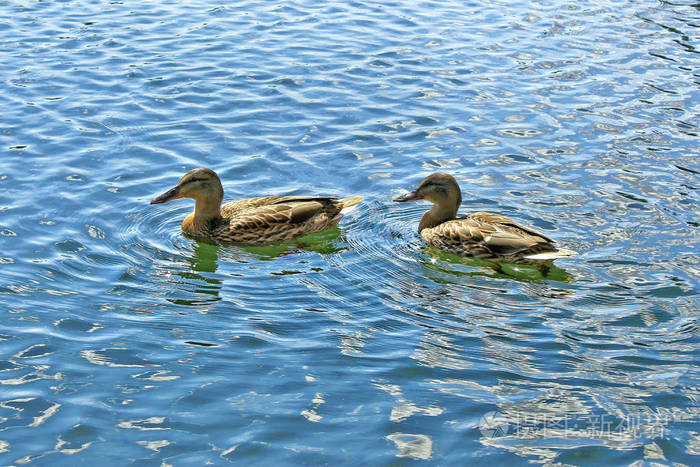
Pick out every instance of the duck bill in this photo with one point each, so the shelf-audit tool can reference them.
(169, 195)
(412, 196)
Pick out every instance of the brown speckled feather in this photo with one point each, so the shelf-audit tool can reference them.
(488, 236)
(233, 208)
(274, 219)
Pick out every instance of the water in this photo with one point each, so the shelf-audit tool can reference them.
(124, 342)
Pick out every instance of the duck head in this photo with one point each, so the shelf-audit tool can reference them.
(438, 188)
(202, 185)
(442, 190)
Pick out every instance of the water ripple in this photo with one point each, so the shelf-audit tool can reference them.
(120, 336)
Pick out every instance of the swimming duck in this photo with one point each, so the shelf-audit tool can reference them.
(252, 220)
(481, 235)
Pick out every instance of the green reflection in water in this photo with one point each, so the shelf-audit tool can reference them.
(205, 257)
(321, 242)
(520, 272)
(203, 260)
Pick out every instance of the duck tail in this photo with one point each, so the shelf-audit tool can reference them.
(349, 203)
(552, 255)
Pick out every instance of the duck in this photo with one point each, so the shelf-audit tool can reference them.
(252, 221)
(481, 235)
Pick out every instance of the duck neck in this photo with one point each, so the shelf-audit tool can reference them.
(206, 213)
(438, 214)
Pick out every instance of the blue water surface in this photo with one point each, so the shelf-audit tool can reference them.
(124, 343)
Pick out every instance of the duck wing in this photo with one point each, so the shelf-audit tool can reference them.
(276, 218)
(232, 208)
(506, 224)
(487, 235)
